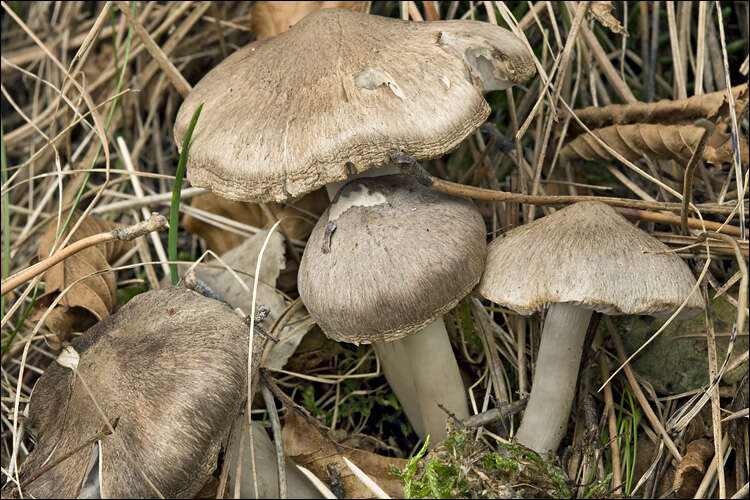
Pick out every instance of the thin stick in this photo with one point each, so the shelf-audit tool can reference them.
(715, 403)
(495, 414)
(638, 393)
(609, 410)
(273, 415)
(156, 222)
(687, 184)
(96, 437)
(174, 75)
(455, 189)
(694, 223)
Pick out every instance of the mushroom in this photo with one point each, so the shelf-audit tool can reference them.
(583, 258)
(334, 98)
(400, 257)
(336, 95)
(171, 365)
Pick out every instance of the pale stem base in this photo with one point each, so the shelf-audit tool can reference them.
(422, 371)
(545, 420)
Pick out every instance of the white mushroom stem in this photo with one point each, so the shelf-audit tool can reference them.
(420, 368)
(545, 420)
(422, 371)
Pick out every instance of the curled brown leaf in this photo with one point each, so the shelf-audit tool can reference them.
(90, 300)
(668, 112)
(658, 142)
(304, 444)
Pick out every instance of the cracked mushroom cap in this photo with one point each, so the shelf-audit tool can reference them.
(337, 94)
(401, 256)
(586, 254)
(171, 365)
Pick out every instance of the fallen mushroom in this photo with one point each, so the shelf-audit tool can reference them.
(171, 367)
(583, 258)
(400, 257)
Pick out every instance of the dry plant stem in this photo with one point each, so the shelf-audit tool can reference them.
(545, 420)
(478, 193)
(276, 426)
(93, 439)
(179, 82)
(638, 393)
(715, 403)
(687, 185)
(632, 213)
(609, 407)
(155, 223)
(711, 471)
(495, 414)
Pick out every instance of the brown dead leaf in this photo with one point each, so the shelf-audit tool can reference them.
(663, 130)
(220, 240)
(304, 444)
(658, 142)
(271, 18)
(602, 11)
(668, 112)
(690, 472)
(90, 300)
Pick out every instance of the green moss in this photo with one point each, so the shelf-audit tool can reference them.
(461, 467)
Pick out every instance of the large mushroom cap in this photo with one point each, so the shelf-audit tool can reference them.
(337, 94)
(586, 254)
(171, 364)
(401, 256)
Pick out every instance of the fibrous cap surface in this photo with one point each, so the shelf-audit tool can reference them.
(399, 258)
(586, 254)
(337, 94)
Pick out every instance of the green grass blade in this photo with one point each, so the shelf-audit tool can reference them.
(174, 209)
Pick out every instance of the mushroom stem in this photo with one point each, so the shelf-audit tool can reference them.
(423, 372)
(436, 377)
(546, 417)
(420, 368)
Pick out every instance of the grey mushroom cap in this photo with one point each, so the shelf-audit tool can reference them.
(586, 254)
(336, 95)
(172, 366)
(399, 260)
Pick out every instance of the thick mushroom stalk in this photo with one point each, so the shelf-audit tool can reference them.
(383, 265)
(420, 368)
(546, 417)
(423, 372)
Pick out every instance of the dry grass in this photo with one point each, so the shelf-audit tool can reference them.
(87, 113)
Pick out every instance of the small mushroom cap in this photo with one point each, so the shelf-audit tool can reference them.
(586, 254)
(171, 364)
(401, 256)
(336, 95)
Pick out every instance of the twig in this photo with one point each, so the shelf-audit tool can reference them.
(410, 166)
(156, 222)
(174, 75)
(495, 414)
(632, 213)
(609, 410)
(687, 184)
(106, 431)
(273, 415)
(267, 380)
(638, 393)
